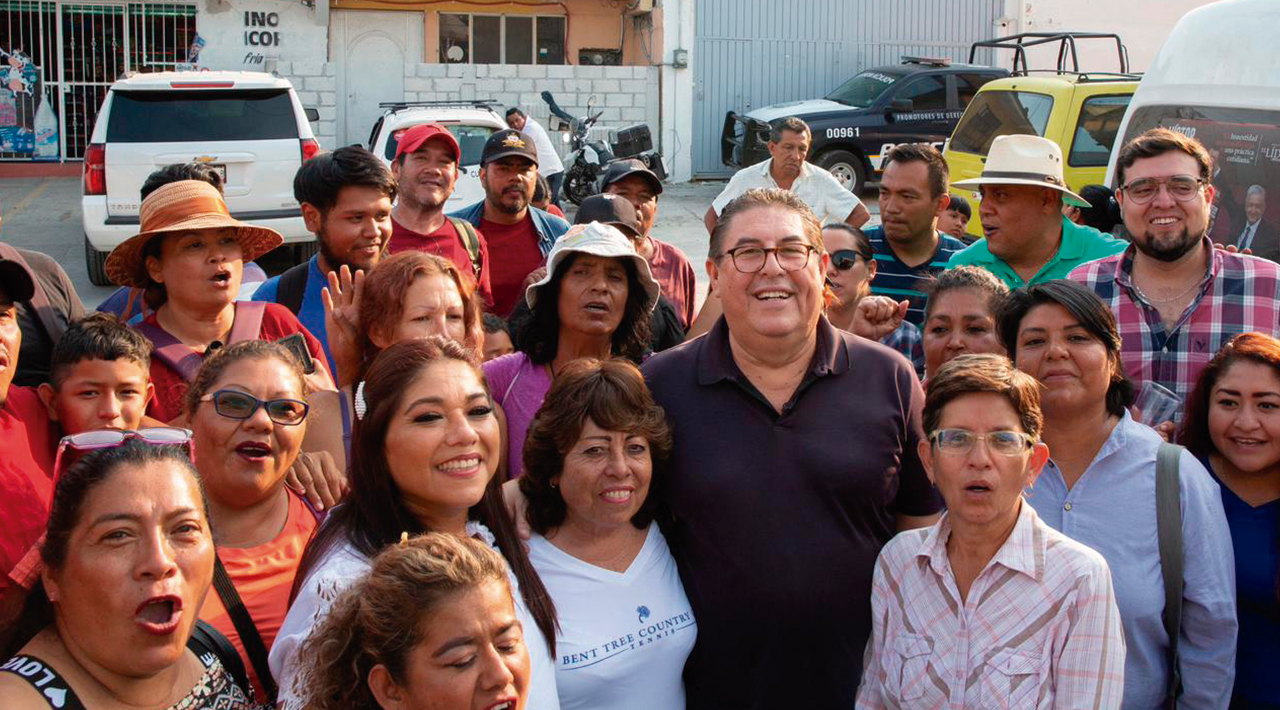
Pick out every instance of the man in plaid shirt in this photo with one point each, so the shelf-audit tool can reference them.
(1177, 299)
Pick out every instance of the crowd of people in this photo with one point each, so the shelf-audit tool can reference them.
(494, 460)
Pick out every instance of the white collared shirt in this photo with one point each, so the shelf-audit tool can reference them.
(814, 186)
(548, 161)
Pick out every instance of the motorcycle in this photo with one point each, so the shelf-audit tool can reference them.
(589, 159)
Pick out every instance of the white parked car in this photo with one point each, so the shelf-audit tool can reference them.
(471, 122)
(249, 126)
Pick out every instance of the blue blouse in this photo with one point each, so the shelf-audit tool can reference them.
(1257, 554)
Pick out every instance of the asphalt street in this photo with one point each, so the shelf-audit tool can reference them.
(43, 214)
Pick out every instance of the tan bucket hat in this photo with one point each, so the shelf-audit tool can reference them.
(1024, 160)
(600, 240)
(183, 206)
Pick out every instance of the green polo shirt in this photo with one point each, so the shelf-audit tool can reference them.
(1079, 245)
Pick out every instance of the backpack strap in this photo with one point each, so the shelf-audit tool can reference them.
(40, 306)
(292, 286)
(50, 684)
(245, 627)
(1169, 534)
(248, 322)
(470, 240)
(206, 642)
(172, 352)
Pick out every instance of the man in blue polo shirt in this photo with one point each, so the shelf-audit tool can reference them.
(346, 198)
(908, 246)
(1027, 238)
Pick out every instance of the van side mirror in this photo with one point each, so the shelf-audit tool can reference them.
(901, 105)
(313, 115)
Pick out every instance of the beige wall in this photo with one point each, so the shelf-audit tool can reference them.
(592, 25)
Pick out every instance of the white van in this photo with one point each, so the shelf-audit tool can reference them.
(1216, 80)
(249, 126)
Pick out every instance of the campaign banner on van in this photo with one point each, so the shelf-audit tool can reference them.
(1246, 177)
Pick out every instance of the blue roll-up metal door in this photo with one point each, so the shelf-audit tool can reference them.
(752, 53)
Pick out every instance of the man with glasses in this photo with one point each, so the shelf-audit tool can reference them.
(1177, 300)
(797, 460)
(1028, 239)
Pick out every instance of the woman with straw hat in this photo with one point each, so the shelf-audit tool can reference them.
(189, 257)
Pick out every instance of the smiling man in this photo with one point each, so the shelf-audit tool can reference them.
(797, 460)
(519, 235)
(1177, 300)
(346, 198)
(1028, 240)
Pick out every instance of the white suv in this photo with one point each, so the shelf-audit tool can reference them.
(248, 126)
(471, 122)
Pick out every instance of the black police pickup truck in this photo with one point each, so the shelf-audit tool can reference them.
(917, 101)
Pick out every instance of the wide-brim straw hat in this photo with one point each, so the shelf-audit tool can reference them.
(1024, 160)
(601, 240)
(183, 206)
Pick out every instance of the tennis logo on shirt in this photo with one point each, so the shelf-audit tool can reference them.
(630, 641)
(643, 611)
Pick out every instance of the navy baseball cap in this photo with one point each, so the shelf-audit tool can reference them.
(612, 210)
(16, 281)
(620, 169)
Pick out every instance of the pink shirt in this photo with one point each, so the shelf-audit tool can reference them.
(674, 274)
(1039, 628)
(518, 386)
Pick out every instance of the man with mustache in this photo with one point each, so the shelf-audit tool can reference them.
(1177, 299)
(426, 171)
(519, 235)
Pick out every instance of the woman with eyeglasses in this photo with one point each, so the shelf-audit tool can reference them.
(248, 413)
(1100, 489)
(424, 459)
(853, 268)
(959, 317)
(127, 561)
(1003, 611)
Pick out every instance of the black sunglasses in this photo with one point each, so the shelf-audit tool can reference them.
(845, 259)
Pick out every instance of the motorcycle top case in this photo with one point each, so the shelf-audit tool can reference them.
(632, 141)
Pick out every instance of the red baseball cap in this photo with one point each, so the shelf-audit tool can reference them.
(413, 138)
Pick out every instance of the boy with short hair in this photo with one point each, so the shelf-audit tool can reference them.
(99, 376)
(497, 342)
(955, 219)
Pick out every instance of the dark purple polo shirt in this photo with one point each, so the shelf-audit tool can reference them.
(776, 520)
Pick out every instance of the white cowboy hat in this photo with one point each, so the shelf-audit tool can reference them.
(1025, 160)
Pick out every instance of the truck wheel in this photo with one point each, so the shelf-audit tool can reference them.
(846, 167)
(96, 262)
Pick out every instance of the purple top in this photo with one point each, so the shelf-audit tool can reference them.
(519, 386)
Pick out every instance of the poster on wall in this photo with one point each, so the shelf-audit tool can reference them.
(21, 105)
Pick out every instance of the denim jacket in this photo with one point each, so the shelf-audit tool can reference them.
(548, 226)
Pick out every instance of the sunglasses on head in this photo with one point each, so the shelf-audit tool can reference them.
(111, 438)
(845, 259)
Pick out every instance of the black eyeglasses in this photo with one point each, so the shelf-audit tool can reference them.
(845, 259)
(234, 404)
(790, 257)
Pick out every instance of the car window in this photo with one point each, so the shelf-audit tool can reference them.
(1100, 118)
(1000, 113)
(1244, 144)
(862, 90)
(471, 140)
(927, 93)
(967, 86)
(195, 115)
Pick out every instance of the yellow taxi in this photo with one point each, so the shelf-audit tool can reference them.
(1081, 112)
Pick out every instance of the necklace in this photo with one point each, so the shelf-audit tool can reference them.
(1171, 299)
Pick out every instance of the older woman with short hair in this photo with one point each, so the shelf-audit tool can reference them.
(594, 457)
(959, 317)
(1100, 489)
(989, 607)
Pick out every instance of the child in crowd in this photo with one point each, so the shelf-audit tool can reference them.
(955, 219)
(542, 198)
(497, 342)
(99, 376)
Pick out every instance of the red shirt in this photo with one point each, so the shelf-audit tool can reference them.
(277, 322)
(515, 255)
(447, 243)
(28, 440)
(674, 274)
(263, 576)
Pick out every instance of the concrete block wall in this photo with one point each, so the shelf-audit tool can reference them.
(625, 95)
(317, 87)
